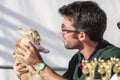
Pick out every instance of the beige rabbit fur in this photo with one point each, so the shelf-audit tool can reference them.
(32, 36)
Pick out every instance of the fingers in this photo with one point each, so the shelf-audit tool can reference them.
(32, 47)
(20, 68)
(21, 71)
(20, 65)
(25, 49)
(18, 58)
(19, 50)
(28, 48)
(29, 53)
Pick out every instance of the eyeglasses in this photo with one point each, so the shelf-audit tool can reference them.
(68, 31)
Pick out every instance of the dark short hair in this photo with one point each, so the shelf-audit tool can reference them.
(87, 17)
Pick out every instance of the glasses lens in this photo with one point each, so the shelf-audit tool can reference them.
(68, 31)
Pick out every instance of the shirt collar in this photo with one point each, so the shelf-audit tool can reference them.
(100, 45)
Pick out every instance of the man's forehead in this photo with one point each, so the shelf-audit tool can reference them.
(68, 20)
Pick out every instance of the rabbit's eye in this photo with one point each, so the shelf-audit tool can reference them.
(31, 33)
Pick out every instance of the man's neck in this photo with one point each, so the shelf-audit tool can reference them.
(89, 49)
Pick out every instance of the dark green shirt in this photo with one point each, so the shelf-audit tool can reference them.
(104, 50)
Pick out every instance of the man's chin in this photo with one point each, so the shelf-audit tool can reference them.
(67, 47)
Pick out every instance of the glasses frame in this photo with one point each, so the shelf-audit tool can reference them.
(68, 31)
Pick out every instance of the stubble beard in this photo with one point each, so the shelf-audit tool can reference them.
(68, 45)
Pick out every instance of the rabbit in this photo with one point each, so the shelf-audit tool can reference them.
(32, 36)
(29, 35)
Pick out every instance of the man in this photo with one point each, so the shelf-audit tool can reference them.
(83, 26)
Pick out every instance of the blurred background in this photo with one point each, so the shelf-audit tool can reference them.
(43, 16)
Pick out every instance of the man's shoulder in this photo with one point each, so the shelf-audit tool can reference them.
(111, 51)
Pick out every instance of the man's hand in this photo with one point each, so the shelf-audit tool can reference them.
(19, 66)
(30, 54)
(32, 57)
(24, 57)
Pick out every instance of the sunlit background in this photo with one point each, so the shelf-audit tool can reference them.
(43, 16)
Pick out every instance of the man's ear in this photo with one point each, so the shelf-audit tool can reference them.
(82, 36)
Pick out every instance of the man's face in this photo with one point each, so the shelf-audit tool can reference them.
(69, 34)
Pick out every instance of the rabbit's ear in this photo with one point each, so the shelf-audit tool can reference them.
(22, 30)
(23, 27)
